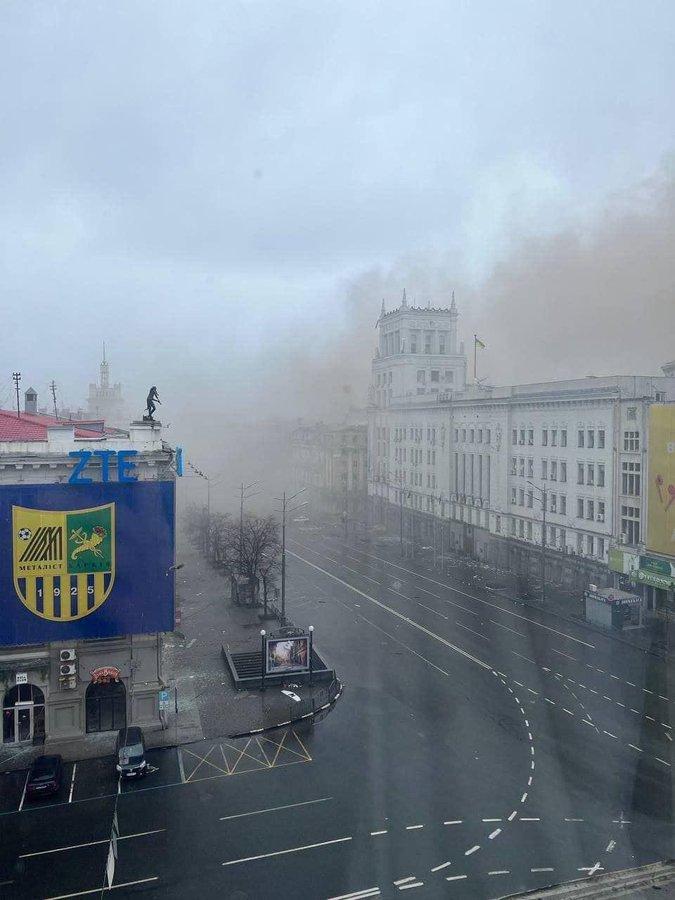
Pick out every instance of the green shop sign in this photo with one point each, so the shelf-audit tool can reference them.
(655, 572)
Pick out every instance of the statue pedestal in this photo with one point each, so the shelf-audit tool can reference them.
(146, 420)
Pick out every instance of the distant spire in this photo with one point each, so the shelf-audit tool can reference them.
(453, 305)
(404, 305)
(383, 310)
(103, 351)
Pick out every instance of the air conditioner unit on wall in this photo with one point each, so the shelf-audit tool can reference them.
(67, 669)
(67, 655)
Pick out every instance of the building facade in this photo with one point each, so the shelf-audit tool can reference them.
(481, 467)
(101, 674)
(105, 400)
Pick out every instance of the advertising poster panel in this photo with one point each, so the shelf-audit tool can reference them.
(661, 493)
(289, 654)
(85, 561)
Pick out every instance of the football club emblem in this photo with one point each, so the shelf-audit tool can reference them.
(63, 560)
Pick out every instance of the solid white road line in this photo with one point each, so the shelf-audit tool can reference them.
(429, 609)
(257, 812)
(448, 587)
(122, 837)
(477, 633)
(389, 609)
(23, 795)
(234, 862)
(99, 890)
(72, 784)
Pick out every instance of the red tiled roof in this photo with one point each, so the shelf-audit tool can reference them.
(33, 427)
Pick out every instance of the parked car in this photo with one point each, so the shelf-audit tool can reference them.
(130, 752)
(44, 776)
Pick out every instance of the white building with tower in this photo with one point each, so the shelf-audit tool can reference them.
(475, 467)
(105, 400)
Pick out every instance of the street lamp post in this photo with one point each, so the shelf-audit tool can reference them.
(244, 496)
(543, 500)
(262, 657)
(284, 500)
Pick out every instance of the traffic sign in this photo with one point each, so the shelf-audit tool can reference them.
(164, 699)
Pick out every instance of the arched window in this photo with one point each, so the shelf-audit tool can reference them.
(106, 706)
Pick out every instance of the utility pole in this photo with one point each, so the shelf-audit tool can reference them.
(244, 496)
(543, 500)
(52, 387)
(17, 378)
(284, 500)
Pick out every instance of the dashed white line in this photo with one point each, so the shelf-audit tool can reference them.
(639, 749)
(413, 827)
(609, 734)
(383, 831)
(493, 834)
(524, 797)
(530, 819)
(454, 877)
(358, 895)
(492, 820)
(513, 815)
(500, 872)
(658, 759)
(413, 884)
(442, 866)
(453, 822)
(404, 880)
(234, 862)
(472, 850)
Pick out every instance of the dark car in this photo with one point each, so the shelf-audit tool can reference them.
(130, 752)
(44, 777)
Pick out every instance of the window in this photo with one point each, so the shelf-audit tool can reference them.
(590, 510)
(529, 531)
(521, 528)
(631, 441)
(563, 437)
(514, 436)
(552, 535)
(590, 474)
(601, 438)
(421, 376)
(554, 437)
(580, 438)
(660, 396)
(471, 435)
(580, 544)
(589, 544)
(563, 505)
(630, 523)
(513, 495)
(480, 435)
(449, 376)
(544, 469)
(498, 523)
(601, 510)
(530, 467)
(488, 435)
(554, 470)
(514, 465)
(563, 471)
(553, 499)
(580, 473)
(433, 458)
(601, 547)
(521, 467)
(562, 537)
(544, 437)
(435, 376)
(580, 508)
(428, 457)
(521, 497)
(530, 436)
(441, 343)
(464, 434)
(530, 499)
(522, 436)
(591, 439)
(601, 475)
(631, 413)
(513, 526)
(427, 343)
(630, 479)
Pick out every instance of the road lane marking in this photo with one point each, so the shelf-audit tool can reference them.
(394, 612)
(658, 759)
(472, 850)
(122, 837)
(506, 628)
(383, 831)
(413, 884)
(453, 822)
(23, 795)
(447, 587)
(257, 812)
(234, 862)
(513, 815)
(565, 654)
(530, 819)
(404, 880)
(442, 866)
(413, 827)
(454, 877)
(477, 633)
(548, 869)
(639, 749)
(72, 784)
(493, 834)
(500, 872)
(98, 890)
(573, 820)
(492, 820)
(180, 766)
(435, 612)
(609, 734)
(358, 895)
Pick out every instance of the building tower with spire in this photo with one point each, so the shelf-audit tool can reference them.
(105, 401)
(418, 354)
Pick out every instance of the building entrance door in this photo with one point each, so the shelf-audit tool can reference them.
(23, 722)
(23, 715)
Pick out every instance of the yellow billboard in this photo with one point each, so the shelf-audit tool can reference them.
(661, 493)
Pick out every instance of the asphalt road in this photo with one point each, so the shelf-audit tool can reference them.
(479, 749)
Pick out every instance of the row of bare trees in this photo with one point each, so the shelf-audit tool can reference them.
(251, 549)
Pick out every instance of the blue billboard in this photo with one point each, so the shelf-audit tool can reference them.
(85, 560)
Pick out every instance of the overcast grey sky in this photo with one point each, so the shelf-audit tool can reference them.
(208, 185)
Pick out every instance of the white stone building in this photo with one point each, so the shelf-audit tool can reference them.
(482, 460)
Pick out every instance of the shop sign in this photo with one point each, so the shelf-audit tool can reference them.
(613, 600)
(655, 572)
(105, 674)
(22, 677)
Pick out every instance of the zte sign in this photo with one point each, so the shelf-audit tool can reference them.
(110, 459)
